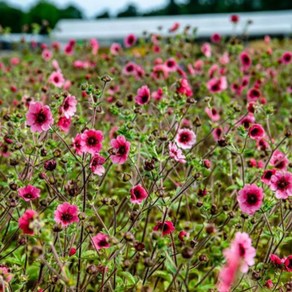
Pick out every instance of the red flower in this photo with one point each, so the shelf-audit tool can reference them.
(256, 132)
(234, 18)
(130, 40)
(24, 222)
(253, 95)
(72, 251)
(138, 194)
(166, 228)
(288, 263)
(121, 149)
(267, 175)
(276, 260)
(245, 60)
(184, 88)
(66, 214)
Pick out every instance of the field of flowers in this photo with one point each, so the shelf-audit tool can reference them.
(161, 164)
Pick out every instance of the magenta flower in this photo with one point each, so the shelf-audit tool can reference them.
(171, 65)
(138, 194)
(96, 164)
(281, 184)
(100, 241)
(253, 95)
(29, 193)
(64, 124)
(276, 260)
(247, 121)
(121, 150)
(115, 49)
(267, 175)
(57, 79)
(250, 199)
(185, 138)
(77, 144)
(5, 278)
(216, 85)
(68, 107)
(91, 141)
(130, 40)
(245, 60)
(39, 117)
(256, 132)
(184, 88)
(206, 50)
(286, 58)
(166, 228)
(143, 95)
(288, 263)
(24, 222)
(279, 160)
(212, 114)
(176, 153)
(66, 214)
(157, 95)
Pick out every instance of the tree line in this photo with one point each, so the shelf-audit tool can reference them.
(45, 14)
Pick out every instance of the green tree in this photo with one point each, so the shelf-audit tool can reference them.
(71, 12)
(11, 17)
(104, 14)
(130, 11)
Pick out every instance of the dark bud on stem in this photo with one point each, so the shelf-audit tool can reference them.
(126, 177)
(203, 258)
(50, 165)
(148, 262)
(214, 209)
(128, 236)
(92, 269)
(187, 252)
(13, 186)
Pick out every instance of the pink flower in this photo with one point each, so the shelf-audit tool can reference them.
(68, 107)
(130, 40)
(100, 241)
(64, 124)
(183, 235)
(245, 60)
(279, 160)
(174, 27)
(218, 134)
(47, 55)
(130, 69)
(121, 150)
(212, 114)
(157, 95)
(288, 263)
(276, 260)
(216, 85)
(96, 164)
(247, 120)
(171, 65)
(39, 117)
(250, 199)
(281, 183)
(29, 193)
(269, 284)
(253, 95)
(66, 214)
(115, 49)
(176, 153)
(77, 144)
(184, 88)
(267, 175)
(138, 194)
(185, 138)
(91, 141)
(206, 50)
(143, 95)
(216, 38)
(241, 247)
(94, 46)
(5, 278)
(57, 79)
(166, 228)
(24, 222)
(256, 132)
(286, 58)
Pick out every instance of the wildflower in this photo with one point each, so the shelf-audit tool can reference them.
(130, 40)
(288, 263)
(143, 95)
(57, 79)
(216, 38)
(5, 278)
(247, 121)
(174, 27)
(66, 214)
(138, 194)
(91, 141)
(234, 18)
(216, 85)
(286, 58)
(171, 65)
(166, 228)
(267, 175)
(64, 124)
(250, 199)
(184, 88)
(206, 50)
(47, 55)
(245, 60)
(115, 49)
(183, 235)
(96, 164)
(253, 95)
(68, 107)
(121, 150)
(279, 160)
(29, 193)
(157, 95)
(176, 153)
(39, 117)
(212, 114)
(276, 260)
(100, 241)
(256, 132)
(24, 222)
(185, 138)
(281, 184)
(77, 144)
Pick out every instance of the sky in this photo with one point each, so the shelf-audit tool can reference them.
(93, 7)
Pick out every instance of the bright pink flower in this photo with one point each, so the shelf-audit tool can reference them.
(253, 95)
(68, 107)
(218, 134)
(262, 144)
(94, 46)
(250, 199)
(159, 72)
(77, 144)
(183, 235)
(216, 38)
(206, 50)
(184, 88)
(247, 121)
(100, 241)
(166, 228)
(185, 138)
(72, 251)
(96, 164)
(138, 194)
(157, 95)
(286, 58)
(64, 124)
(216, 85)
(130, 69)
(279, 160)
(241, 247)
(57, 79)
(91, 141)
(267, 175)
(47, 55)
(174, 27)
(281, 184)
(130, 40)
(171, 65)
(256, 132)
(121, 150)
(176, 153)
(143, 95)
(288, 263)
(269, 284)
(212, 114)
(24, 222)
(29, 193)
(245, 60)
(39, 117)
(276, 260)
(66, 214)
(115, 49)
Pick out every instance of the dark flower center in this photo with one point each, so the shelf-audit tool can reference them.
(137, 194)
(255, 131)
(280, 164)
(268, 175)
(170, 64)
(66, 217)
(144, 98)
(130, 68)
(41, 117)
(28, 195)
(290, 264)
(122, 150)
(184, 137)
(252, 199)
(165, 228)
(91, 141)
(282, 184)
(241, 250)
(56, 79)
(103, 242)
(215, 87)
(245, 60)
(287, 57)
(66, 105)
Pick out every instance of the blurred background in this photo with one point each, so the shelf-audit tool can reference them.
(22, 15)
